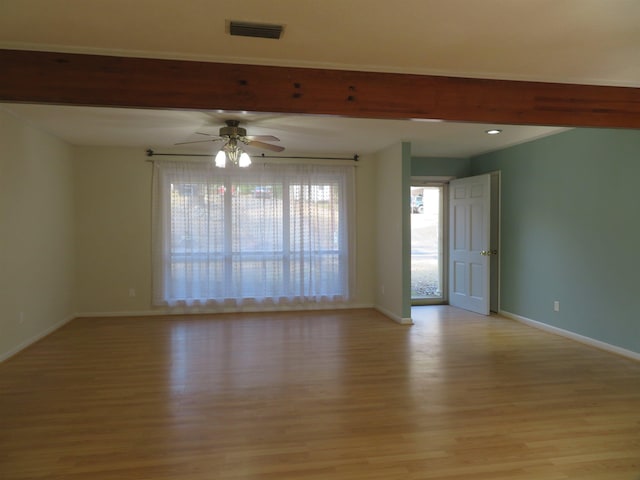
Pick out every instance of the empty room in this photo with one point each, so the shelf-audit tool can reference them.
(311, 240)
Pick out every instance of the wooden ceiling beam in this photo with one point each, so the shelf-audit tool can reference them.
(98, 80)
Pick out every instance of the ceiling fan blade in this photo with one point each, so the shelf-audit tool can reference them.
(265, 146)
(206, 134)
(269, 138)
(197, 141)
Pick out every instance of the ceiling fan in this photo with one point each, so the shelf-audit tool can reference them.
(234, 133)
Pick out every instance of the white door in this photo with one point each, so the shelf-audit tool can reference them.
(469, 247)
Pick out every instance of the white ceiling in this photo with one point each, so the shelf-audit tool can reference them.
(576, 41)
(160, 130)
(571, 41)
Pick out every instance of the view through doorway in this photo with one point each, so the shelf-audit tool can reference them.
(427, 242)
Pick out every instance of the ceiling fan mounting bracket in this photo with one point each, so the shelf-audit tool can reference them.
(233, 130)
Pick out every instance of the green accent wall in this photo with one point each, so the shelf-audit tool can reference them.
(570, 220)
(440, 167)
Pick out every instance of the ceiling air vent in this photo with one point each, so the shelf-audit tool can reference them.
(260, 30)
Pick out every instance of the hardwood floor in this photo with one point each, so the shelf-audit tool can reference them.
(317, 395)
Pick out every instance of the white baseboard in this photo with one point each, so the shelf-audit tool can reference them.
(211, 311)
(30, 341)
(573, 336)
(394, 317)
(132, 313)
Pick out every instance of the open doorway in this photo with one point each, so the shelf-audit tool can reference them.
(431, 222)
(428, 243)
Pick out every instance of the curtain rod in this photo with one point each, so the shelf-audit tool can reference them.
(151, 153)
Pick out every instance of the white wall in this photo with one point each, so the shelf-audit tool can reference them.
(389, 255)
(36, 234)
(113, 231)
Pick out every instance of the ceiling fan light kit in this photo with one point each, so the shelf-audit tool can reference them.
(232, 153)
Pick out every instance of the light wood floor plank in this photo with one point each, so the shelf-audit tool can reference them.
(346, 395)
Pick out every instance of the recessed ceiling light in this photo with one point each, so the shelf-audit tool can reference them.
(493, 131)
(427, 120)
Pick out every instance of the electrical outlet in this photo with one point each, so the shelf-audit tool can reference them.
(132, 292)
(382, 289)
(21, 317)
(556, 306)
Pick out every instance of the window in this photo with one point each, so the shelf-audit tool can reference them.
(268, 235)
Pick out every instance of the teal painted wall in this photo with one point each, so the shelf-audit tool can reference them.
(440, 167)
(571, 231)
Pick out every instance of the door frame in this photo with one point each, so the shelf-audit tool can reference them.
(496, 221)
(443, 182)
(495, 260)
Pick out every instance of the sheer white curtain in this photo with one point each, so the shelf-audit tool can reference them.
(268, 234)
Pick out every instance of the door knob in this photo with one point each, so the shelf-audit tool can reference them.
(486, 253)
